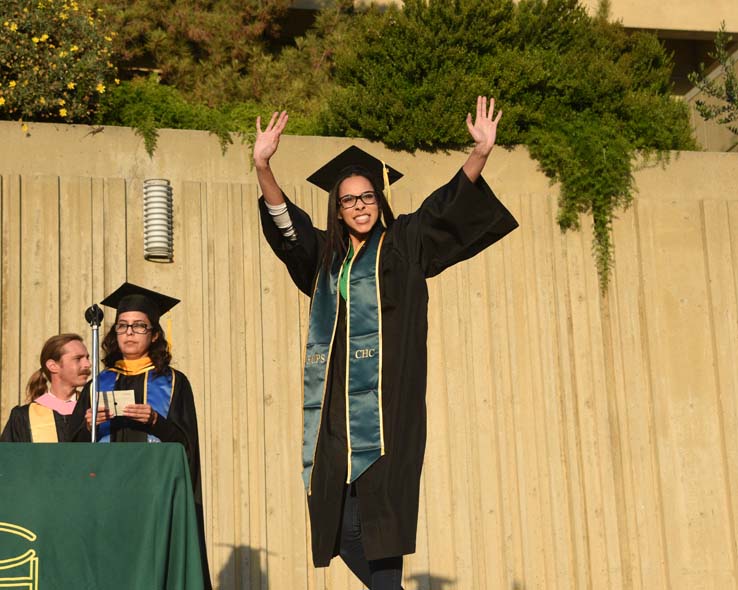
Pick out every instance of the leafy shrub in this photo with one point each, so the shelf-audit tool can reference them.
(147, 106)
(201, 47)
(55, 60)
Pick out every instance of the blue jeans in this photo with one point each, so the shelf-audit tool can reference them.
(375, 574)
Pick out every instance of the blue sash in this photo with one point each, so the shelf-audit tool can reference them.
(363, 390)
(157, 393)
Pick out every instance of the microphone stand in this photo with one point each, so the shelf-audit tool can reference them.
(94, 317)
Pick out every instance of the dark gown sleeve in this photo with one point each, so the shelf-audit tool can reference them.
(456, 222)
(181, 424)
(171, 430)
(76, 427)
(18, 427)
(301, 256)
(183, 419)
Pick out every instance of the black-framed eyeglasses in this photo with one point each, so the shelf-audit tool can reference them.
(136, 327)
(349, 201)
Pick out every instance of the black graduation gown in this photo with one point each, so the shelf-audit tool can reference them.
(18, 427)
(453, 224)
(180, 426)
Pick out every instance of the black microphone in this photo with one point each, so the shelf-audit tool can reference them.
(94, 315)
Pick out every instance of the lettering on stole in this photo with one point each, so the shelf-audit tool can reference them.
(365, 353)
(361, 353)
(315, 358)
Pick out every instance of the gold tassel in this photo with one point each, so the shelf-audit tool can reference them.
(385, 179)
(169, 333)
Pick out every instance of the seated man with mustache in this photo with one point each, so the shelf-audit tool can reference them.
(51, 392)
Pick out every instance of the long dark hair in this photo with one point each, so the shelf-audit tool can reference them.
(337, 234)
(52, 350)
(158, 351)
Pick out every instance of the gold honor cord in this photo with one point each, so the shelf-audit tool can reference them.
(146, 387)
(169, 333)
(381, 347)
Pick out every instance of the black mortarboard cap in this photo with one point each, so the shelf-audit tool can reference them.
(130, 297)
(326, 176)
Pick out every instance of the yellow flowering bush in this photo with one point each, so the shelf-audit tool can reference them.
(55, 60)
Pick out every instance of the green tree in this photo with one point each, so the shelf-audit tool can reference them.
(201, 47)
(722, 90)
(300, 77)
(55, 61)
(585, 97)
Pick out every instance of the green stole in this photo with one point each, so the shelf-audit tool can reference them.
(363, 391)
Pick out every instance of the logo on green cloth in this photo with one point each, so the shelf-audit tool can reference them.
(20, 572)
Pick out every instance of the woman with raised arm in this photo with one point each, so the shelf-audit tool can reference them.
(364, 411)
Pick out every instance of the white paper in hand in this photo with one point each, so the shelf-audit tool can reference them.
(115, 401)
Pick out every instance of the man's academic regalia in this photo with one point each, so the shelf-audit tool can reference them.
(453, 224)
(35, 422)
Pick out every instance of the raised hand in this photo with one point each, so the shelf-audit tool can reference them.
(267, 141)
(484, 128)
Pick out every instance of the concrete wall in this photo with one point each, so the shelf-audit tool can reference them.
(575, 440)
(674, 15)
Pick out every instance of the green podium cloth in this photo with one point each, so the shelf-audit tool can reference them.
(84, 516)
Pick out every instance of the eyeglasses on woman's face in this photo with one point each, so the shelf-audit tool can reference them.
(135, 327)
(349, 201)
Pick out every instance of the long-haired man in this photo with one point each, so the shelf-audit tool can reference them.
(51, 393)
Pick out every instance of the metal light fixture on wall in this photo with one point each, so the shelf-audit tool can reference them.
(158, 220)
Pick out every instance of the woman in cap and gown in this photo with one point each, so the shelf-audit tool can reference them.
(137, 357)
(364, 413)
